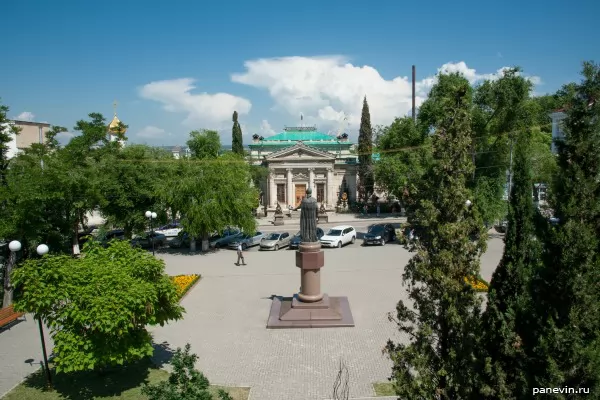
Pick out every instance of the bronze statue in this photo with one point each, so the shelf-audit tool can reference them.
(322, 209)
(308, 218)
(278, 210)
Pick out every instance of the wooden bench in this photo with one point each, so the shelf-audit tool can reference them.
(8, 315)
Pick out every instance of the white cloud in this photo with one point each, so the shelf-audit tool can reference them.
(152, 132)
(266, 129)
(328, 89)
(25, 116)
(202, 109)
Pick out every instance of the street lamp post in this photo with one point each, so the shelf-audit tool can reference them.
(14, 247)
(152, 216)
(42, 249)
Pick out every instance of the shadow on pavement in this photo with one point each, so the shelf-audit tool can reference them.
(88, 385)
(163, 353)
(184, 251)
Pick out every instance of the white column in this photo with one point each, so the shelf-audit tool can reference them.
(290, 190)
(311, 181)
(330, 187)
(272, 190)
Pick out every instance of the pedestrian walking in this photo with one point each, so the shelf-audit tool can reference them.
(240, 254)
(378, 210)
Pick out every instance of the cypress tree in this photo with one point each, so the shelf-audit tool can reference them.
(438, 361)
(365, 154)
(504, 326)
(237, 145)
(567, 290)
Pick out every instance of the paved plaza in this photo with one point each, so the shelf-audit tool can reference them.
(227, 312)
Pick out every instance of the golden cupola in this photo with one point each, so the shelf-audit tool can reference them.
(113, 127)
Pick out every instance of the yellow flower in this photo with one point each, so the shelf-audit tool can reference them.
(476, 283)
(184, 282)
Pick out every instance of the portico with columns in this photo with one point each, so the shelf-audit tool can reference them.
(300, 158)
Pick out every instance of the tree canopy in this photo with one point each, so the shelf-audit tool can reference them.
(365, 154)
(97, 307)
(237, 145)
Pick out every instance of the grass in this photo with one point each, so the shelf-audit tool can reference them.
(384, 389)
(124, 383)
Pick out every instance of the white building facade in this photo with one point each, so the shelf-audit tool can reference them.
(300, 158)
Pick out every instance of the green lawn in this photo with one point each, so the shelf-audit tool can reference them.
(123, 383)
(384, 389)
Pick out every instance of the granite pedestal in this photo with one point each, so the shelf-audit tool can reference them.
(310, 308)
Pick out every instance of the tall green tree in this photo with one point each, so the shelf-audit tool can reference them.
(405, 157)
(237, 145)
(7, 131)
(506, 320)
(567, 293)
(127, 185)
(437, 363)
(204, 144)
(211, 194)
(97, 307)
(365, 154)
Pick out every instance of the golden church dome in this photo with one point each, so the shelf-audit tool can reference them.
(113, 127)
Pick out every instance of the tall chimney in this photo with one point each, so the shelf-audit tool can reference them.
(414, 78)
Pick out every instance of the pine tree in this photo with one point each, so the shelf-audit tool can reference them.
(237, 145)
(504, 326)
(438, 361)
(567, 291)
(365, 157)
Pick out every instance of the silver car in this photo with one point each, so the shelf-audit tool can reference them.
(275, 241)
(247, 241)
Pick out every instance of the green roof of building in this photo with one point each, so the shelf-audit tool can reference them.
(304, 136)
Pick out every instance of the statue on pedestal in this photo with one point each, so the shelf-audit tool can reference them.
(308, 218)
(278, 210)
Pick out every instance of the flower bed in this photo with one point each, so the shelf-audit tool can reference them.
(184, 283)
(477, 283)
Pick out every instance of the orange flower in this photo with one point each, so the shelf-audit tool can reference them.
(184, 282)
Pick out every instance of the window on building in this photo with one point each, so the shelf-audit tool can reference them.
(281, 193)
(320, 192)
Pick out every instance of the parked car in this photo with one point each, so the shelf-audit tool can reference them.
(297, 239)
(147, 238)
(183, 240)
(247, 241)
(87, 233)
(380, 234)
(169, 230)
(501, 227)
(339, 236)
(115, 234)
(275, 241)
(228, 236)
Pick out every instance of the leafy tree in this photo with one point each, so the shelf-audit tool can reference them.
(7, 130)
(97, 307)
(211, 195)
(127, 185)
(505, 321)
(204, 144)
(567, 332)
(184, 383)
(365, 154)
(437, 363)
(237, 145)
(503, 108)
(405, 157)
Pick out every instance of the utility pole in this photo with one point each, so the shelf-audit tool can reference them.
(414, 93)
(41, 142)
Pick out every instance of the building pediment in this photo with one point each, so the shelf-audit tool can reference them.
(299, 152)
(299, 177)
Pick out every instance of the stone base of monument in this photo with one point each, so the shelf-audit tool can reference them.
(278, 220)
(310, 308)
(323, 219)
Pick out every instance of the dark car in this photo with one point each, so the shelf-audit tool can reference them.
(115, 234)
(295, 242)
(380, 234)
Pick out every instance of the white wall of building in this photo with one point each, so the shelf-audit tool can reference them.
(12, 146)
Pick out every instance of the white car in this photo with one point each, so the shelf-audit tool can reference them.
(339, 236)
(170, 230)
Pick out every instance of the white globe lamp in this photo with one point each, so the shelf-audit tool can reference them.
(468, 203)
(42, 249)
(15, 245)
(154, 215)
(148, 214)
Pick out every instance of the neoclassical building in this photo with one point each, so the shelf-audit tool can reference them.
(302, 157)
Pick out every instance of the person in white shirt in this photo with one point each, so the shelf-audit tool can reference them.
(240, 254)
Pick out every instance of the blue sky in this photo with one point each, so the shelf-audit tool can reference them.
(182, 65)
